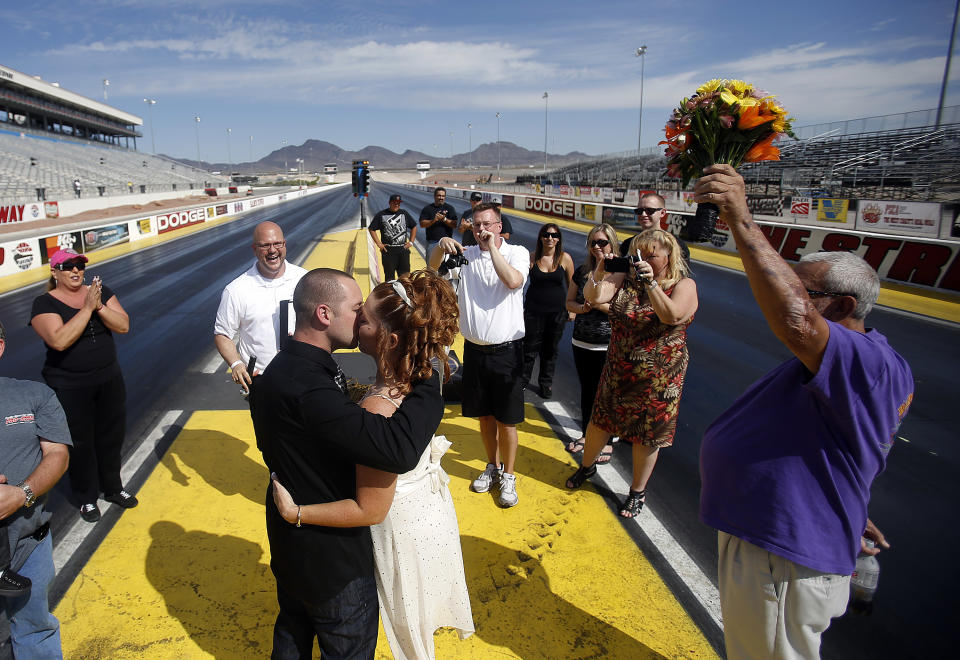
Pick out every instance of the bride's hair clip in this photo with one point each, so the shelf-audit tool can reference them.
(401, 291)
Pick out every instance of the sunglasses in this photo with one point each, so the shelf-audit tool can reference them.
(79, 264)
(650, 210)
(551, 234)
(599, 242)
(813, 293)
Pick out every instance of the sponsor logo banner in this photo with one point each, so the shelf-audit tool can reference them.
(23, 255)
(66, 241)
(254, 203)
(51, 209)
(101, 237)
(618, 216)
(800, 208)
(145, 226)
(832, 210)
(172, 221)
(507, 201)
(10, 214)
(589, 212)
(221, 209)
(555, 207)
(902, 217)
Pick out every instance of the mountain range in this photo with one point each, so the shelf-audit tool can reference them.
(317, 153)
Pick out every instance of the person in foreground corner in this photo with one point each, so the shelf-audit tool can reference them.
(405, 325)
(312, 436)
(786, 470)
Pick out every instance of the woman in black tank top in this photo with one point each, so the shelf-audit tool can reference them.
(544, 308)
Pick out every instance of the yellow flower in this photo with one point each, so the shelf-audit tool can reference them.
(727, 97)
(748, 101)
(778, 125)
(710, 86)
(739, 87)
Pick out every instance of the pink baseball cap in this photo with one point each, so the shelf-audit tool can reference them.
(65, 255)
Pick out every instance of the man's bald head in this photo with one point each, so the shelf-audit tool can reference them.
(270, 249)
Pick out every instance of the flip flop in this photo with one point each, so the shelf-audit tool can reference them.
(576, 446)
(605, 455)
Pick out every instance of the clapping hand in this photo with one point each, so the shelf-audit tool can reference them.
(94, 291)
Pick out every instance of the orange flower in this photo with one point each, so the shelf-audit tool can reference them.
(763, 150)
(751, 117)
(672, 130)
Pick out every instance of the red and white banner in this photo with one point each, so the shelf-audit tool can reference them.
(171, 221)
(901, 217)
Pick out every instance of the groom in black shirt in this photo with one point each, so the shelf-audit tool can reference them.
(312, 436)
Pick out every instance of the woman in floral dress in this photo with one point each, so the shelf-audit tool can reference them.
(651, 306)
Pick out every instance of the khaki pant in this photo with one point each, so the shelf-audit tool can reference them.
(773, 607)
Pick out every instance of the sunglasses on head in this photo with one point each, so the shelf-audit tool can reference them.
(79, 264)
(599, 242)
(551, 234)
(650, 210)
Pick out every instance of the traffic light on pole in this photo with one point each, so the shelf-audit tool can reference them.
(365, 176)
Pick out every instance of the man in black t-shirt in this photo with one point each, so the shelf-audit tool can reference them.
(438, 219)
(466, 223)
(397, 230)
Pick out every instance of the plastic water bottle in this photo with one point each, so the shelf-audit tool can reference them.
(863, 582)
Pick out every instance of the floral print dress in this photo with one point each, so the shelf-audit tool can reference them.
(641, 383)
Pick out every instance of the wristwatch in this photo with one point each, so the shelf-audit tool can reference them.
(31, 497)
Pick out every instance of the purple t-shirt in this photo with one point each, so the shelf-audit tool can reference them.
(788, 467)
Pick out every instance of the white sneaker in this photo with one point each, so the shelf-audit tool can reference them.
(508, 490)
(489, 477)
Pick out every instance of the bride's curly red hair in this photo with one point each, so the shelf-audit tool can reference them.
(424, 330)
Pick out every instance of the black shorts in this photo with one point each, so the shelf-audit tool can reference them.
(493, 381)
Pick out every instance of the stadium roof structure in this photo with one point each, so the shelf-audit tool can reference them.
(33, 103)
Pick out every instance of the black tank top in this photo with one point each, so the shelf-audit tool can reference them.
(547, 293)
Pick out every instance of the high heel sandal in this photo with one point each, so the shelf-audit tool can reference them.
(633, 504)
(581, 475)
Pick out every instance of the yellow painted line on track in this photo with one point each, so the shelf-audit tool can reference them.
(186, 574)
(914, 299)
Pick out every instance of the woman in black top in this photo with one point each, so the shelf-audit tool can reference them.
(591, 331)
(76, 322)
(544, 307)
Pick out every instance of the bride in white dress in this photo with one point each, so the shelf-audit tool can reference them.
(416, 539)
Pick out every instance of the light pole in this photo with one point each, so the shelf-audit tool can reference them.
(946, 68)
(251, 148)
(641, 53)
(546, 103)
(469, 146)
(283, 147)
(299, 173)
(498, 146)
(150, 103)
(197, 120)
(229, 155)
(106, 83)
(451, 146)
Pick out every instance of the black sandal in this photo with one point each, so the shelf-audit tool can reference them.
(581, 475)
(576, 446)
(633, 504)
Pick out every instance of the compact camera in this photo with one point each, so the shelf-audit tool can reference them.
(452, 261)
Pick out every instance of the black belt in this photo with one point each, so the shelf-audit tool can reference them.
(492, 348)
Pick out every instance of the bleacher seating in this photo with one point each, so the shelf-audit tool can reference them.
(31, 160)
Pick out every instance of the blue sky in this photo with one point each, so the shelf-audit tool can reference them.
(405, 75)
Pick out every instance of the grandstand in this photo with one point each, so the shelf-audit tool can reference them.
(904, 156)
(50, 136)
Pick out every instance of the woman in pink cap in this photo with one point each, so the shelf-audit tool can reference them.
(76, 322)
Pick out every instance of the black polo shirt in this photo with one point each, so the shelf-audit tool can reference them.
(313, 436)
(438, 230)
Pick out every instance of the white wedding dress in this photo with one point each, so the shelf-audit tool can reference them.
(420, 580)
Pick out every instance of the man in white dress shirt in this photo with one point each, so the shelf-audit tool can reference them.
(249, 310)
(491, 321)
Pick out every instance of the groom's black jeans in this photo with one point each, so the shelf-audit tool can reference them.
(345, 625)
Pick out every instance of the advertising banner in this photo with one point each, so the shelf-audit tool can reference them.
(618, 195)
(618, 216)
(51, 209)
(835, 211)
(632, 198)
(507, 201)
(66, 241)
(589, 212)
(145, 226)
(101, 237)
(901, 217)
(221, 209)
(23, 254)
(555, 207)
(800, 208)
(608, 194)
(171, 221)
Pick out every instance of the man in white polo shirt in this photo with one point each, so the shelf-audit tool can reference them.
(250, 305)
(491, 321)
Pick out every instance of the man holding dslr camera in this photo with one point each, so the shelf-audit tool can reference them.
(491, 321)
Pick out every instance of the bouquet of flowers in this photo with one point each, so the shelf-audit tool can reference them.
(725, 121)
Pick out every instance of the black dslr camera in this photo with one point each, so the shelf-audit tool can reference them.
(452, 261)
